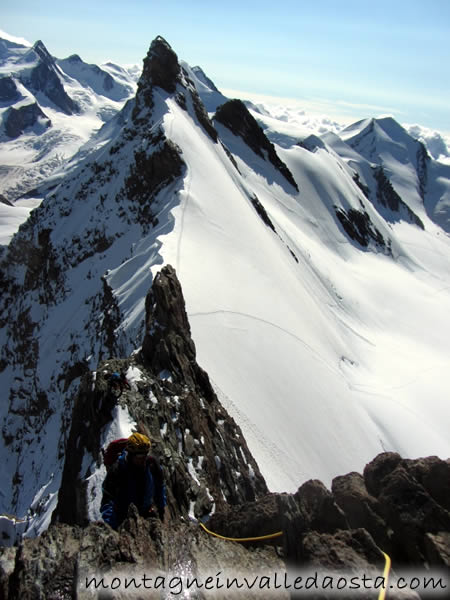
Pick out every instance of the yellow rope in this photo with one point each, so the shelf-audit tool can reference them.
(387, 565)
(248, 539)
(387, 568)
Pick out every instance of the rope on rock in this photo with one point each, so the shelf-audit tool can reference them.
(247, 539)
(387, 568)
(387, 564)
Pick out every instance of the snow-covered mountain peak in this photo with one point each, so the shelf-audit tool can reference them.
(74, 58)
(40, 49)
(380, 136)
(200, 74)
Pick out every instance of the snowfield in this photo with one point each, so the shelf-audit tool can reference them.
(325, 362)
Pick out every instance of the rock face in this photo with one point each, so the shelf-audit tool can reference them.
(398, 506)
(359, 227)
(8, 90)
(69, 558)
(236, 117)
(162, 70)
(17, 120)
(388, 197)
(161, 66)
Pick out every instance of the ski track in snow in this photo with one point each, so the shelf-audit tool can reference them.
(184, 205)
(275, 326)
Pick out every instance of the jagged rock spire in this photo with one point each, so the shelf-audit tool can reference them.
(167, 343)
(161, 65)
(161, 69)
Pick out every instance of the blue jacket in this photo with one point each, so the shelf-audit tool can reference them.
(126, 484)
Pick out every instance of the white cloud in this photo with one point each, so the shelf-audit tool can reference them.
(336, 110)
(438, 144)
(12, 38)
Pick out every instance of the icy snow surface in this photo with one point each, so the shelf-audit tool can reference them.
(327, 362)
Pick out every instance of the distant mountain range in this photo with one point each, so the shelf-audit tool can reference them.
(315, 269)
(49, 108)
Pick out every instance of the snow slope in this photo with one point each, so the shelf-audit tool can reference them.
(324, 362)
(325, 350)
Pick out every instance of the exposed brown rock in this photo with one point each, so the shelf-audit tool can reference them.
(318, 507)
(361, 509)
(437, 549)
(378, 469)
(62, 563)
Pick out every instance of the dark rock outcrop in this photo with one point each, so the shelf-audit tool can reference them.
(359, 227)
(8, 90)
(17, 120)
(168, 344)
(319, 509)
(423, 163)
(236, 117)
(149, 174)
(162, 70)
(262, 213)
(64, 562)
(161, 66)
(411, 513)
(398, 506)
(388, 197)
(362, 509)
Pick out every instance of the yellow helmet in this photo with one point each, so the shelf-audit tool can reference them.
(138, 443)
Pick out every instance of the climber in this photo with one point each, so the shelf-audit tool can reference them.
(135, 478)
(117, 383)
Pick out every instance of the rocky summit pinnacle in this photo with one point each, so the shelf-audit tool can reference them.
(161, 66)
(160, 69)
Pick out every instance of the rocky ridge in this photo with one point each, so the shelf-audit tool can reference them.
(398, 506)
(49, 252)
(343, 531)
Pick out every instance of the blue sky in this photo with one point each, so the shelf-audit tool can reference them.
(349, 59)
